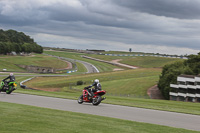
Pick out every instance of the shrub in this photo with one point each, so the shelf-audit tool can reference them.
(80, 82)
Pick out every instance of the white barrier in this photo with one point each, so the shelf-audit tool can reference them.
(21, 83)
(167, 56)
(72, 71)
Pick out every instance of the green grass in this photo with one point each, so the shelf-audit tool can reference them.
(17, 118)
(81, 70)
(8, 62)
(123, 52)
(127, 53)
(132, 83)
(102, 67)
(134, 86)
(9, 66)
(149, 62)
(129, 86)
(120, 82)
(81, 67)
(165, 105)
(143, 61)
(129, 82)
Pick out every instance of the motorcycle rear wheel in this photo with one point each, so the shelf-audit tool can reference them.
(97, 100)
(80, 99)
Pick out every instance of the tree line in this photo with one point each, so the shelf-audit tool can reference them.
(12, 40)
(170, 72)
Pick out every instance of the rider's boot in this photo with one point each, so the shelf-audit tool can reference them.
(6, 87)
(92, 94)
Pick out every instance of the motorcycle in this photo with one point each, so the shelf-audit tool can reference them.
(95, 100)
(9, 88)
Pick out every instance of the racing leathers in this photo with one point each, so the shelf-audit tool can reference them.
(12, 79)
(97, 86)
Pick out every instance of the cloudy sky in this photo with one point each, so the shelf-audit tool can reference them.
(159, 26)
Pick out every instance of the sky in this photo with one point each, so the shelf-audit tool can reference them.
(152, 26)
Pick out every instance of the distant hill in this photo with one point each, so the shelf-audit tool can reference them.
(12, 40)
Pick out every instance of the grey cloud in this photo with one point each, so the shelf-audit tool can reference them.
(12, 15)
(182, 9)
(128, 22)
(66, 14)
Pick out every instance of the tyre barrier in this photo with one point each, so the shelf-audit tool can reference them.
(72, 71)
(24, 86)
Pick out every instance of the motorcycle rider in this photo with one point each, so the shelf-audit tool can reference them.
(11, 77)
(97, 86)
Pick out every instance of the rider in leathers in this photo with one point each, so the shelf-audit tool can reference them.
(11, 77)
(97, 86)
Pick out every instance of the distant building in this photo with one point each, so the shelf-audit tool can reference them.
(187, 89)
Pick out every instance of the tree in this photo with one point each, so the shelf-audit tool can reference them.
(130, 49)
(12, 40)
(17, 47)
(2, 48)
(3, 36)
(194, 63)
(168, 76)
(170, 72)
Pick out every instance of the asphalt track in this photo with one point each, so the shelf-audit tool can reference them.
(171, 119)
(90, 68)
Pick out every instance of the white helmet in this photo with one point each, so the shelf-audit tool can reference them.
(96, 81)
(11, 74)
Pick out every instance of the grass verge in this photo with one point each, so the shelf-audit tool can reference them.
(16, 118)
(127, 78)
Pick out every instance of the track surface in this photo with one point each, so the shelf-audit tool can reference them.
(90, 68)
(171, 119)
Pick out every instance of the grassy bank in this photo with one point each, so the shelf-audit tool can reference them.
(119, 85)
(174, 106)
(9, 62)
(17, 118)
(143, 61)
(149, 62)
(102, 67)
(120, 82)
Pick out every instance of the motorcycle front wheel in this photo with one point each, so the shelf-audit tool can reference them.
(96, 101)
(9, 90)
(80, 99)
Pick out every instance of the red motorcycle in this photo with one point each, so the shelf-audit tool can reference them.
(95, 100)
